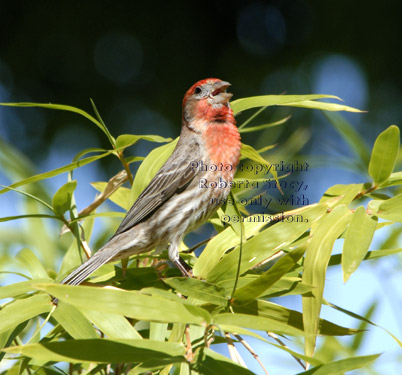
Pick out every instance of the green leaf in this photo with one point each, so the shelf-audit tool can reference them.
(211, 363)
(257, 287)
(305, 101)
(391, 209)
(17, 289)
(363, 319)
(128, 303)
(258, 323)
(222, 242)
(252, 154)
(336, 259)
(350, 135)
(198, 289)
(103, 351)
(29, 196)
(323, 106)
(265, 244)
(125, 140)
(22, 310)
(31, 263)
(344, 193)
(57, 171)
(323, 235)
(384, 155)
(264, 126)
(68, 108)
(74, 322)
(291, 317)
(149, 167)
(113, 325)
(62, 198)
(357, 241)
(121, 196)
(394, 179)
(341, 366)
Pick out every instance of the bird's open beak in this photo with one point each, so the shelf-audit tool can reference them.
(219, 94)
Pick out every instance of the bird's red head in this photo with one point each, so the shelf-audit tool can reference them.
(207, 99)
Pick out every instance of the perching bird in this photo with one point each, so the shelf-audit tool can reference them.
(184, 192)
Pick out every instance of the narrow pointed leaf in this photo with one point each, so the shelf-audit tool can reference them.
(342, 366)
(57, 171)
(74, 322)
(357, 241)
(258, 323)
(265, 244)
(323, 236)
(242, 104)
(30, 261)
(63, 196)
(257, 287)
(126, 140)
(149, 167)
(131, 304)
(113, 325)
(198, 289)
(22, 310)
(211, 363)
(103, 351)
(384, 154)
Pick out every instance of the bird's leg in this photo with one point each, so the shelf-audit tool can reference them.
(173, 252)
(184, 268)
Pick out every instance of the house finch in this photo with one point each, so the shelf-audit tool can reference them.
(185, 191)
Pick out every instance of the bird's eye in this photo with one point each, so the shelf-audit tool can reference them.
(197, 90)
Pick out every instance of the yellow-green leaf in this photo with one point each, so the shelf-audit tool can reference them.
(62, 198)
(323, 235)
(103, 351)
(149, 167)
(74, 322)
(242, 104)
(126, 140)
(357, 241)
(384, 154)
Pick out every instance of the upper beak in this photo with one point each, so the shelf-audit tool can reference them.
(219, 87)
(218, 94)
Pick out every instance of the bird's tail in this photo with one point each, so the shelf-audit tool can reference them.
(84, 270)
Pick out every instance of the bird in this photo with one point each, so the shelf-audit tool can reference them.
(183, 193)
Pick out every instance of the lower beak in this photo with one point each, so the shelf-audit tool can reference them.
(219, 95)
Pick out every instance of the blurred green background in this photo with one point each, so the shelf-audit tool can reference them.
(136, 60)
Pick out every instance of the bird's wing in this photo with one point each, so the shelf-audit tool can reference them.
(170, 179)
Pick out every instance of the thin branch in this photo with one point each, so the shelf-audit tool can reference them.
(278, 340)
(189, 349)
(252, 352)
(234, 354)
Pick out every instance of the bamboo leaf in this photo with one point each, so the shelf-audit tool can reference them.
(74, 322)
(68, 108)
(125, 140)
(22, 310)
(323, 236)
(211, 363)
(384, 155)
(257, 287)
(57, 171)
(103, 351)
(31, 263)
(198, 289)
(341, 366)
(149, 167)
(242, 104)
(129, 303)
(62, 198)
(357, 241)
